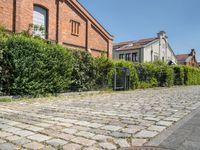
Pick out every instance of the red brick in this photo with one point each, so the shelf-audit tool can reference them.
(93, 37)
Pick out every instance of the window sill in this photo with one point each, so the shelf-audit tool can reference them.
(77, 35)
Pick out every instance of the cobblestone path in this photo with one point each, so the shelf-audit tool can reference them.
(106, 121)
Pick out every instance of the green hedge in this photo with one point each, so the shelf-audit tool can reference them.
(192, 75)
(32, 66)
(133, 73)
(178, 75)
(35, 67)
(104, 72)
(165, 75)
(154, 74)
(147, 75)
(84, 71)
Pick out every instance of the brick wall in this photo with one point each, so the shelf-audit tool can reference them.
(69, 14)
(92, 36)
(6, 14)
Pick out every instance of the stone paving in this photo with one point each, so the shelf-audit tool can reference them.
(104, 121)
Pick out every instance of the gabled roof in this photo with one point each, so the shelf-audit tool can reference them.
(186, 57)
(79, 7)
(182, 57)
(133, 44)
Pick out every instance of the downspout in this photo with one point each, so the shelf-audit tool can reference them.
(57, 21)
(14, 15)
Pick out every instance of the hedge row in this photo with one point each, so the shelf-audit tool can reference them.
(32, 66)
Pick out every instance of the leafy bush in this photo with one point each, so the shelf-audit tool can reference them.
(104, 72)
(84, 71)
(32, 66)
(36, 67)
(154, 74)
(192, 75)
(178, 75)
(165, 75)
(133, 72)
(148, 84)
(147, 75)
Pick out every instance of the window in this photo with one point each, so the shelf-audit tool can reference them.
(75, 28)
(40, 23)
(156, 57)
(121, 56)
(127, 57)
(134, 57)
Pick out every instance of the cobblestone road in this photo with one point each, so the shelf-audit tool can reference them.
(106, 121)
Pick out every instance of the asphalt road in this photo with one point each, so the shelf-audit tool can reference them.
(186, 137)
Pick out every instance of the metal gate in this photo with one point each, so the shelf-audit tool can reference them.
(121, 78)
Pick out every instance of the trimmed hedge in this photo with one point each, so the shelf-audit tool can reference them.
(32, 66)
(133, 73)
(35, 67)
(192, 75)
(178, 75)
(154, 74)
(104, 72)
(84, 71)
(165, 76)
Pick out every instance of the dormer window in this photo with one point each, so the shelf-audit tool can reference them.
(75, 28)
(129, 45)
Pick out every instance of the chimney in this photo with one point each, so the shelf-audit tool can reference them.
(162, 34)
(193, 52)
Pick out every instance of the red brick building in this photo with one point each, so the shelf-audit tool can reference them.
(66, 22)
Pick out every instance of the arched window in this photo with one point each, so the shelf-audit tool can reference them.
(40, 23)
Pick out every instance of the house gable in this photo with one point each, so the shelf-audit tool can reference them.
(150, 49)
(68, 23)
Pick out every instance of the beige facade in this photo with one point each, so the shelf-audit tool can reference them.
(145, 50)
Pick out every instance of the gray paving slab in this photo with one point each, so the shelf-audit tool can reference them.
(184, 136)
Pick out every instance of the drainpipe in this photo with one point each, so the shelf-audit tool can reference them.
(14, 15)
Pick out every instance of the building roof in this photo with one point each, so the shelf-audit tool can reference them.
(133, 44)
(182, 57)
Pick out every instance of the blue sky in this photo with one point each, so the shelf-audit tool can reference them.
(137, 19)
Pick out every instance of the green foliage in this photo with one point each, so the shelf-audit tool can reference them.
(36, 67)
(154, 74)
(104, 72)
(5, 99)
(192, 75)
(165, 75)
(33, 66)
(133, 72)
(178, 75)
(84, 72)
(148, 84)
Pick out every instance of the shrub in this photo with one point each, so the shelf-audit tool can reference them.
(154, 74)
(192, 75)
(178, 75)
(148, 84)
(147, 75)
(37, 67)
(165, 75)
(104, 70)
(133, 73)
(84, 71)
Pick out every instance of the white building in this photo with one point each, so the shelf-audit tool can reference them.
(145, 50)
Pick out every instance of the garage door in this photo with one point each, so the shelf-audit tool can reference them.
(40, 21)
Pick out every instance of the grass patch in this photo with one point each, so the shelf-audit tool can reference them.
(6, 99)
